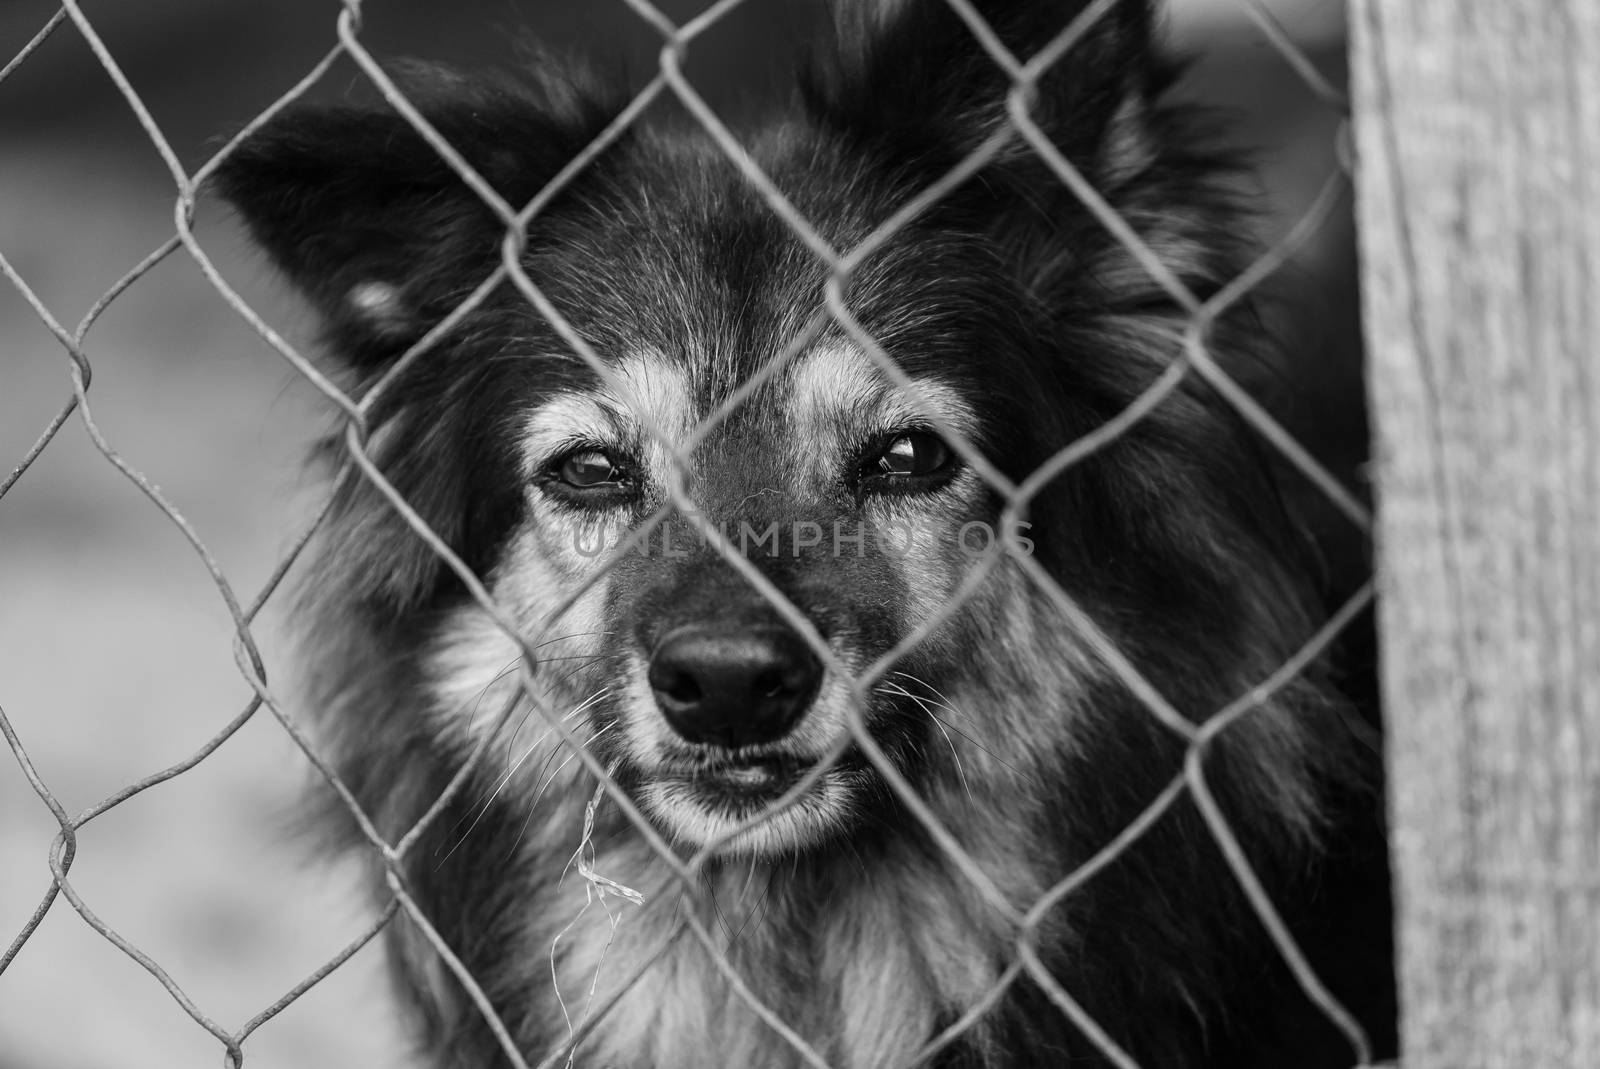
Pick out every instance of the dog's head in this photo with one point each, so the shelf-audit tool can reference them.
(732, 527)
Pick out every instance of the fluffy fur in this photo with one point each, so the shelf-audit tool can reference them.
(1023, 325)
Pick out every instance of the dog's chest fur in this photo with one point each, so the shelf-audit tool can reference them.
(863, 972)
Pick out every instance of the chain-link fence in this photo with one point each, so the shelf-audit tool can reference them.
(1019, 132)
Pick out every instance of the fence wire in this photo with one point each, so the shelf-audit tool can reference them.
(355, 412)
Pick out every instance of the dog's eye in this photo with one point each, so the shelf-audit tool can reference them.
(590, 469)
(915, 455)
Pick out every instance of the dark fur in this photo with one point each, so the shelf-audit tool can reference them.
(1173, 538)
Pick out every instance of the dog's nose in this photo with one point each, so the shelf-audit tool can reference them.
(733, 687)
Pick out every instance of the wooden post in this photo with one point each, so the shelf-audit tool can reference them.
(1478, 136)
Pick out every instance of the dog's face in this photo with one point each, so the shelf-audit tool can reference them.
(721, 530)
(833, 486)
(733, 527)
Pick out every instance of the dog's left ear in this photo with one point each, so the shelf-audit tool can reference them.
(372, 224)
(912, 78)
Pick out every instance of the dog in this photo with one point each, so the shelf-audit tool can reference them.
(802, 576)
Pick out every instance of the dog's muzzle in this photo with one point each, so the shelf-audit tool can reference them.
(733, 686)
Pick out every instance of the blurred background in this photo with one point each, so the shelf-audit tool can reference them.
(115, 648)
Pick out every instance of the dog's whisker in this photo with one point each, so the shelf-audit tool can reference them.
(576, 669)
(716, 907)
(512, 771)
(510, 704)
(753, 916)
(559, 680)
(534, 805)
(961, 772)
(569, 636)
(528, 713)
(749, 875)
(569, 759)
(555, 751)
(935, 695)
(955, 728)
(512, 665)
(477, 701)
(978, 745)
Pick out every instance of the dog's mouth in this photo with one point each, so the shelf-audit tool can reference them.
(702, 800)
(737, 781)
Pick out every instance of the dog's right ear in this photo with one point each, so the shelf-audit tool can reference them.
(373, 225)
(914, 80)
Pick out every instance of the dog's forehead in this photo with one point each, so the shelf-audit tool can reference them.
(681, 256)
(704, 313)
(842, 386)
(817, 402)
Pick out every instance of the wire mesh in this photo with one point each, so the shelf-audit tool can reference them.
(1022, 128)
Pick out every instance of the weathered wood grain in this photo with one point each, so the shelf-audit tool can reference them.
(1478, 134)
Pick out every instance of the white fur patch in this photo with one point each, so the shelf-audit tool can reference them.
(833, 379)
(838, 397)
(562, 422)
(649, 408)
(840, 382)
(475, 667)
(654, 389)
(380, 304)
